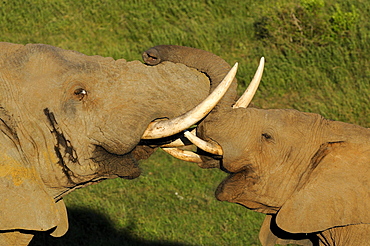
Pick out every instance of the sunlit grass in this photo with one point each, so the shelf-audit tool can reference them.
(173, 202)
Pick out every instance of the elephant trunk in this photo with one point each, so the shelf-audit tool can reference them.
(215, 69)
(209, 153)
(206, 62)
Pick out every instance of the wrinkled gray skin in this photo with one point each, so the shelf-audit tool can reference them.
(309, 174)
(68, 120)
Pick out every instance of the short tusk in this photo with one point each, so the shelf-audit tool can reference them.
(212, 148)
(174, 144)
(183, 155)
(180, 142)
(165, 128)
(247, 96)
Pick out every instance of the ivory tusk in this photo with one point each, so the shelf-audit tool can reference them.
(174, 144)
(180, 142)
(183, 154)
(212, 148)
(247, 96)
(165, 128)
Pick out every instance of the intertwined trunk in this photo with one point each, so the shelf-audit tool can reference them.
(206, 62)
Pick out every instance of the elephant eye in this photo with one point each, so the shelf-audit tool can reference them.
(266, 136)
(80, 93)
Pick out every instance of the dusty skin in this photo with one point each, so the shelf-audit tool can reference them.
(69, 120)
(310, 175)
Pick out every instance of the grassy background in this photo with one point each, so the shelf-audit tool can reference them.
(316, 60)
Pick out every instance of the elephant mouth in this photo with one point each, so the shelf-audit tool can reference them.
(111, 165)
(240, 188)
(232, 187)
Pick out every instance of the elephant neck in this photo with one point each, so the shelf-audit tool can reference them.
(336, 131)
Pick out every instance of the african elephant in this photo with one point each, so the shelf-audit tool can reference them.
(69, 120)
(310, 175)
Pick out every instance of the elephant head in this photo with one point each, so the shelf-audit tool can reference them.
(68, 120)
(311, 175)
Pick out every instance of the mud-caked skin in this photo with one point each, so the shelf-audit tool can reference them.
(68, 120)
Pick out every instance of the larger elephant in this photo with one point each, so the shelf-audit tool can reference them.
(69, 120)
(310, 175)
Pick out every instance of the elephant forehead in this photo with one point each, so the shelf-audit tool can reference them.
(40, 57)
(236, 132)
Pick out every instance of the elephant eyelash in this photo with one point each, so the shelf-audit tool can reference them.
(80, 93)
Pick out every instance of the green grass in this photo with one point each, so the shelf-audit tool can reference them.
(316, 60)
(171, 203)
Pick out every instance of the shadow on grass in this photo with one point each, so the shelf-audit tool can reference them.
(90, 228)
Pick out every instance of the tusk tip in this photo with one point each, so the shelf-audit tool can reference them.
(247, 96)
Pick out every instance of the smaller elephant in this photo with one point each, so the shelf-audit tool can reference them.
(310, 175)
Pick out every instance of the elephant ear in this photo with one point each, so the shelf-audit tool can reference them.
(25, 205)
(336, 193)
(24, 202)
(270, 235)
(62, 226)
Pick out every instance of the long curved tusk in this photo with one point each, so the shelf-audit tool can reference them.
(183, 155)
(212, 148)
(165, 128)
(247, 96)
